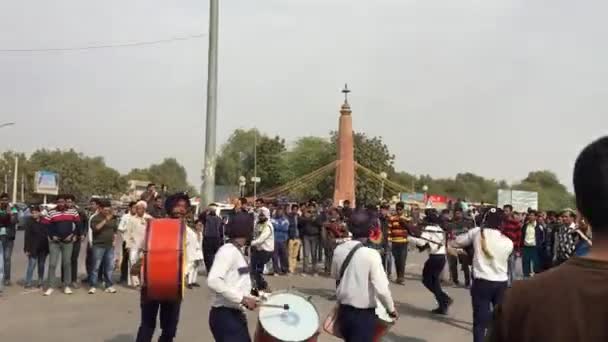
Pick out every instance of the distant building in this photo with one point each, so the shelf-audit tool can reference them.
(134, 191)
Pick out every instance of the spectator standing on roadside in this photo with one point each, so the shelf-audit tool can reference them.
(311, 240)
(280, 223)
(532, 242)
(332, 231)
(122, 228)
(79, 237)
(61, 223)
(135, 236)
(150, 195)
(105, 227)
(157, 209)
(94, 209)
(458, 226)
(398, 233)
(8, 219)
(551, 228)
(294, 242)
(511, 228)
(213, 235)
(567, 237)
(36, 246)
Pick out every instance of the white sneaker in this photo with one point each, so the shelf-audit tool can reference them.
(67, 290)
(110, 290)
(48, 292)
(92, 290)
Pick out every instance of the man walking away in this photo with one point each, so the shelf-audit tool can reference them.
(213, 235)
(295, 242)
(281, 234)
(61, 223)
(105, 227)
(8, 219)
(567, 303)
(36, 247)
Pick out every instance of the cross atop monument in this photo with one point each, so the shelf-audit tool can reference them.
(345, 91)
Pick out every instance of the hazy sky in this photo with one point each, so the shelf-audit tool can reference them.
(498, 88)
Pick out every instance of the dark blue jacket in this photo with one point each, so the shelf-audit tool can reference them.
(539, 233)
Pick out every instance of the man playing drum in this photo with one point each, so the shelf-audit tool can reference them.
(362, 281)
(230, 282)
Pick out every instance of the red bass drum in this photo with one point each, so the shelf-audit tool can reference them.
(164, 260)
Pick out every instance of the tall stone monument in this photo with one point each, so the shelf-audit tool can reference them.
(345, 171)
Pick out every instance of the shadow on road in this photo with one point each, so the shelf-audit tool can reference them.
(390, 337)
(327, 294)
(410, 310)
(121, 338)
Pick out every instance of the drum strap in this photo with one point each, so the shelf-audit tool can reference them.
(346, 262)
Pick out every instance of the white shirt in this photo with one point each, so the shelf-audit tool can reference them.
(364, 278)
(264, 237)
(500, 246)
(193, 245)
(122, 225)
(90, 230)
(135, 231)
(432, 233)
(229, 277)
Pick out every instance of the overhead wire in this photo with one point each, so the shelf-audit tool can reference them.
(107, 46)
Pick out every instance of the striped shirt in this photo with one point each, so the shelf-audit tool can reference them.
(62, 224)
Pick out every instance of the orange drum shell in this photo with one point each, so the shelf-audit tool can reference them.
(163, 268)
(381, 329)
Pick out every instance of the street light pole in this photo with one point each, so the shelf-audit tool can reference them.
(255, 165)
(15, 173)
(211, 123)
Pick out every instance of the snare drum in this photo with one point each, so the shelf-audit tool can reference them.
(383, 322)
(298, 324)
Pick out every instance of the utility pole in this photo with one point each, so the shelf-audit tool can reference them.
(15, 179)
(255, 165)
(22, 188)
(208, 191)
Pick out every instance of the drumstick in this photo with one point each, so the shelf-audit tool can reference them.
(284, 306)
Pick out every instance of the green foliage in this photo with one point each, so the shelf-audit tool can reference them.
(169, 173)
(236, 159)
(552, 195)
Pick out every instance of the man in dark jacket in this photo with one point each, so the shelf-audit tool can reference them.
(213, 235)
(458, 226)
(310, 231)
(36, 246)
(294, 242)
(532, 242)
(8, 219)
(79, 237)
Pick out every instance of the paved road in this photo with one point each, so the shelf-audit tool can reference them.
(28, 316)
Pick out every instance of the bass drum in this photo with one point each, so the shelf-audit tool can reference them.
(298, 324)
(164, 261)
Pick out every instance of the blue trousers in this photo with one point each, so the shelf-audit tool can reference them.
(228, 325)
(356, 325)
(486, 295)
(105, 256)
(169, 317)
(34, 261)
(530, 257)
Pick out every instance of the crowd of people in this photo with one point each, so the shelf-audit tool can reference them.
(262, 238)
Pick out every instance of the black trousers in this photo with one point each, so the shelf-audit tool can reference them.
(124, 264)
(210, 247)
(486, 295)
(228, 325)
(464, 264)
(258, 260)
(169, 317)
(431, 278)
(400, 255)
(356, 325)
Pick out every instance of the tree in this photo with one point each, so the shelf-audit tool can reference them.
(79, 175)
(237, 158)
(169, 173)
(552, 195)
(308, 155)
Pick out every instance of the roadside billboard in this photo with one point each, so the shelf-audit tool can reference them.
(520, 200)
(46, 183)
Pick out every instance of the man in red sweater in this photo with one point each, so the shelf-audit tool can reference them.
(511, 227)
